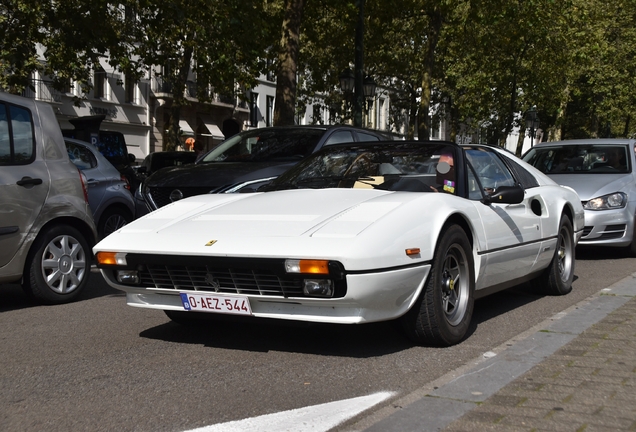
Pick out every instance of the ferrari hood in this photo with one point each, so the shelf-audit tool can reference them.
(335, 212)
(589, 186)
(257, 219)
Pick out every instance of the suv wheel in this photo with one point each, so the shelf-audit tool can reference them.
(112, 220)
(58, 266)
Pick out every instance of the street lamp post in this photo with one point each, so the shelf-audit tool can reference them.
(532, 123)
(363, 88)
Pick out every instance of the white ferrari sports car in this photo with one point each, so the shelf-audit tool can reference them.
(357, 233)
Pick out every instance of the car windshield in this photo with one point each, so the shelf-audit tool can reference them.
(580, 159)
(264, 145)
(395, 167)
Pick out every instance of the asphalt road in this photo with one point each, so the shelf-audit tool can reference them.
(98, 364)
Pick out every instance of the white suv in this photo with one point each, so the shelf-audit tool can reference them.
(46, 226)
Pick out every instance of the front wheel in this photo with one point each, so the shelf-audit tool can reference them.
(58, 266)
(557, 278)
(112, 220)
(442, 315)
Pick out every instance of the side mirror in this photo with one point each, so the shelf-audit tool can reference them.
(505, 195)
(131, 158)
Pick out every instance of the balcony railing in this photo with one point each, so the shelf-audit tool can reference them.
(44, 91)
(159, 85)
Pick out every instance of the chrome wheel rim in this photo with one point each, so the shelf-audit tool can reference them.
(63, 264)
(454, 285)
(565, 255)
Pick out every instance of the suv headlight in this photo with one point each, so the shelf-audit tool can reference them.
(607, 202)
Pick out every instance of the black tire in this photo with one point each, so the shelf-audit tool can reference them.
(557, 278)
(442, 314)
(58, 266)
(112, 219)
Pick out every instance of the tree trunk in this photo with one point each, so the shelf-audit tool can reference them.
(423, 126)
(520, 140)
(285, 105)
(178, 98)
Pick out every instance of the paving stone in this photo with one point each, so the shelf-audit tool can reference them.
(587, 385)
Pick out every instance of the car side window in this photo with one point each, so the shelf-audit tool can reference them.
(80, 156)
(490, 170)
(5, 141)
(22, 134)
(17, 146)
(340, 137)
(366, 137)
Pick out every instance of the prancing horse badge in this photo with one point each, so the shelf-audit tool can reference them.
(210, 243)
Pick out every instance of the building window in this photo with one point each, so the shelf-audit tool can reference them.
(254, 109)
(270, 71)
(435, 129)
(130, 86)
(382, 114)
(270, 110)
(317, 114)
(99, 83)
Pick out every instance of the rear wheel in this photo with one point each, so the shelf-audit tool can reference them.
(113, 219)
(557, 278)
(443, 313)
(58, 266)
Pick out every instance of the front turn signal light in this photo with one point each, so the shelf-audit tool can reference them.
(111, 258)
(307, 266)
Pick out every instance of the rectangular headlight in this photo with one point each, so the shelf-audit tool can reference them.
(318, 287)
(129, 277)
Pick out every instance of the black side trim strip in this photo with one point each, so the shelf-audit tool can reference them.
(515, 246)
(8, 230)
(388, 269)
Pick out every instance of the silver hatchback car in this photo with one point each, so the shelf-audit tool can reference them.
(46, 226)
(109, 192)
(602, 172)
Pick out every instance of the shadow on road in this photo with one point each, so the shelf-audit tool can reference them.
(12, 297)
(589, 253)
(358, 341)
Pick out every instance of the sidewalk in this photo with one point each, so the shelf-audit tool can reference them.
(576, 373)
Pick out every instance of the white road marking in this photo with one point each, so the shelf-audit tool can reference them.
(316, 418)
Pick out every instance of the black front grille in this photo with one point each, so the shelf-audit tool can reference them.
(225, 280)
(161, 195)
(247, 276)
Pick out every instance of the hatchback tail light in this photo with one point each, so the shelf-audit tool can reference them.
(125, 180)
(84, 187)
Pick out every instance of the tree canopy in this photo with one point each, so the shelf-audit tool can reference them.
(480, 64)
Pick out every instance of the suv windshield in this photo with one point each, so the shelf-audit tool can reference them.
(580, 159)
(260, 146)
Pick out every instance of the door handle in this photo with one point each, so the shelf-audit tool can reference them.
(28, 181)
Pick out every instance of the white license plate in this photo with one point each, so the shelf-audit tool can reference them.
(216, 304)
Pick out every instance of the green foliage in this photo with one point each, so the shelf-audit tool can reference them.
(481, 64)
